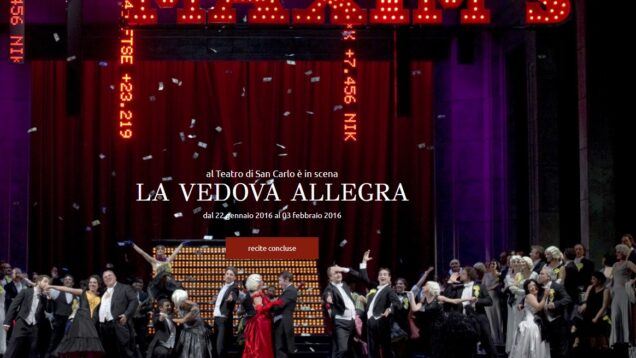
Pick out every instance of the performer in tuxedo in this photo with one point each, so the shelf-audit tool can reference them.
(27, 309)
(140, 318)
(475, 307)
(341, 307)
(14, 286)
(163, 343)
(537, 254)
(224, 312)
(554, 312)
(62, 309)
(585, 267)
(383, 301)
(114, 318)
(283, 321)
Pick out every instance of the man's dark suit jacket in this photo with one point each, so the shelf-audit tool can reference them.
(21, 306)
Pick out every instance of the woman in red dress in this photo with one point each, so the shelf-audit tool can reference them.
(258, 329)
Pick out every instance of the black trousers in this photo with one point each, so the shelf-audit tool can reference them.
(343, 334)
(59, 326)
(223, 336)
(485, 336)
(558, 338)
(160, 351)
(379, 337)
(117, 339)
(283, 345)
(23, 342)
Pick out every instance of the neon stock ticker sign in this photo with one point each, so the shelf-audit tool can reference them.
(342, 12)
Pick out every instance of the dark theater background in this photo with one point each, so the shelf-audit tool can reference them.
(503, 135)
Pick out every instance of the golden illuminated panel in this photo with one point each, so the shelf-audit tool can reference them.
(201, 270)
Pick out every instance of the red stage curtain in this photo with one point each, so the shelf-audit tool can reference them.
(82, 171)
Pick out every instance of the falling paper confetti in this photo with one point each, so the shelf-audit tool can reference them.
(193, 122)
(88, 228)
(32, 130)
(56, 37)
(203, 145)
(160, 86)
(287, 113)
(113, 173)
(195, 155)
(379, 232)
(243, 92)
(283, 209)
(182, 136)
(104, 210)
(192, 136)
(256, 231)
(280, 146)
(238, 143)
(152, 98)
(315, 79)
(60, 218)
(208, 237)
(71, 58)
(76, 206)
(218, 129)
(343, 243)
(166, 179)
(175, 81)
(112, 87)
(441, 116)
(212, 49)
(95, 223)
(267, 79)
(289, 91)
(178, 215)
(235, 154)
(308, 73)
(227, 216)
(237, 233)
(197, 210)
(337, 107)
(282, 154)
(102, 156)
(291, 62)
(416, 73)
(270, 182)
(225, 205)
(103, 64)
(421, 146)
(310, 113)
(290, 54)
(148, 157)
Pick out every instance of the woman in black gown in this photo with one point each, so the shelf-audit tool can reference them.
(82, 340)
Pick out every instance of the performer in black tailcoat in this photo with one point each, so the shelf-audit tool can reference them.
(554, 313)
(283, 317)
(224, 312)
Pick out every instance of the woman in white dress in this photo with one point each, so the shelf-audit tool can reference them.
(3, 334)
(528, 342)
(514, 286)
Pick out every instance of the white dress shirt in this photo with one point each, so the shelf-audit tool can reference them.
(104, 308)
(219, 300)
(372, 304)
(34, 306)
(173, 332)
(467, 293)
(350, 307)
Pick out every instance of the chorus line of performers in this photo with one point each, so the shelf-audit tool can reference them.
(531, 306)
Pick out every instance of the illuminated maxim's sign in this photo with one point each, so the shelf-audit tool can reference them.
(16, 31)
(342, 12)
(125, 116)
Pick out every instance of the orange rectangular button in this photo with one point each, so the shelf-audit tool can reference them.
(271, 248)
